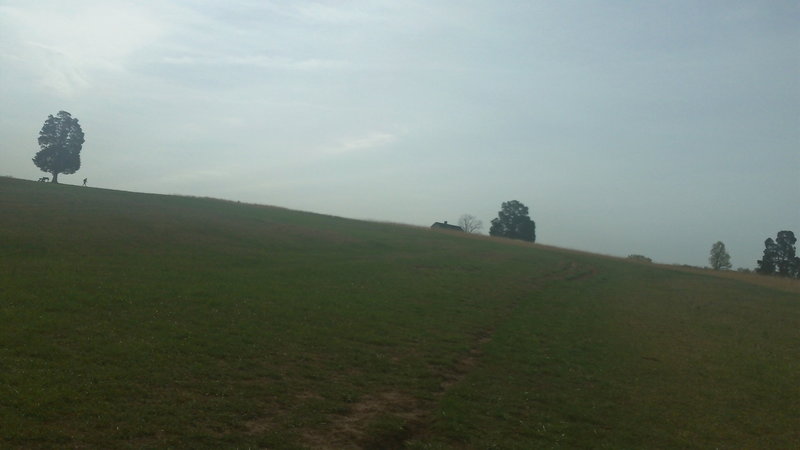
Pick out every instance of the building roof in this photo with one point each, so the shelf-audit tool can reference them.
(446, 226)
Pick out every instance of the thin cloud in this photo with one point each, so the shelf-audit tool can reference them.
(198, 174)
(258, 61)
(324, 13)
(63, 47)
(369, 141)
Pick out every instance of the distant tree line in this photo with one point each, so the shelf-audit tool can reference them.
(780, 256)
(512, 222)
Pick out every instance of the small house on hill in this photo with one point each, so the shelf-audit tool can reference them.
(446, 226)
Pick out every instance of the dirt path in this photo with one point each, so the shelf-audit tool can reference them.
(352, 429)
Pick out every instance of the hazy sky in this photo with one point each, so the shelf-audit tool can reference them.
(655, 128)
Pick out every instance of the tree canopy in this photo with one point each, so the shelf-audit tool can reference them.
(719, 257)
(60, 140)
(780, 256)
(513, 222)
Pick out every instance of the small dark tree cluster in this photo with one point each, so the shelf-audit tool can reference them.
(780, 256)
(640, 258)
(513, 222)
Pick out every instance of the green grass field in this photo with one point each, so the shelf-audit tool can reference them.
(148, 321)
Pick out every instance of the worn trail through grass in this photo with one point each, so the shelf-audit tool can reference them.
(352, 425)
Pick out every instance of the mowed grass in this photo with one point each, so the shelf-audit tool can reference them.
(146, 321)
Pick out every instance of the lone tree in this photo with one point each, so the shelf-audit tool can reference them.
(470, 223)
(719, 257)
(60, 140)
(513, 222)
(780, 256)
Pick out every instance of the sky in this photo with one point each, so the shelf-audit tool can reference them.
(652, 128)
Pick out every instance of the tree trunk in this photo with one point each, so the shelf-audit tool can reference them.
(55, 177)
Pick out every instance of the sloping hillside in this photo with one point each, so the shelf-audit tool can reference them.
(136, 320)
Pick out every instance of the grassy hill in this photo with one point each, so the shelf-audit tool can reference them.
(133, 320)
